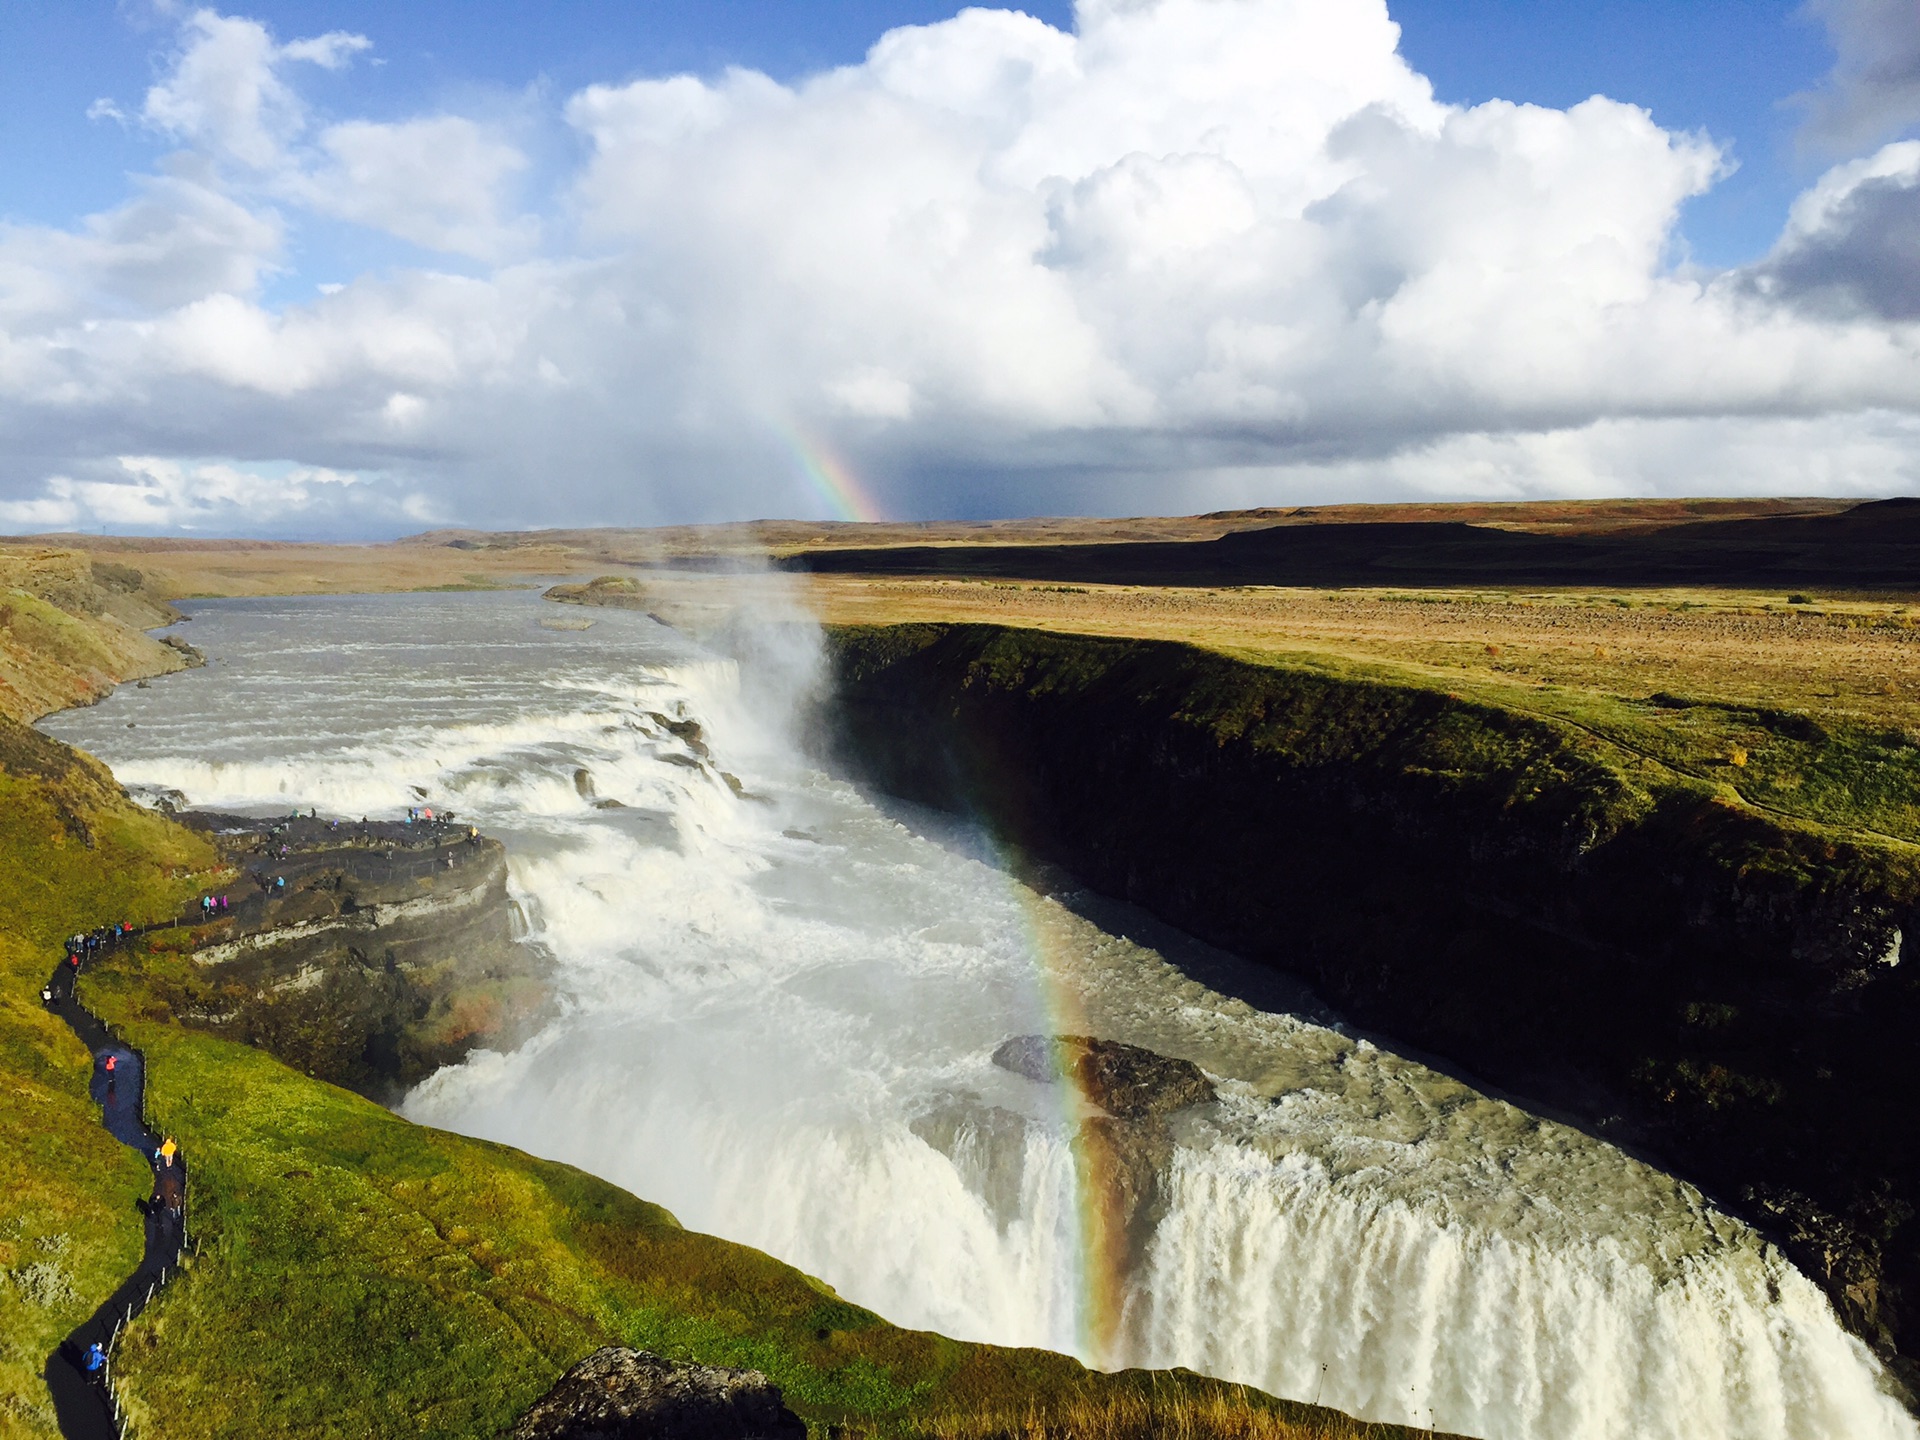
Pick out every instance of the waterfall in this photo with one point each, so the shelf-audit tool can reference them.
(779, 1000)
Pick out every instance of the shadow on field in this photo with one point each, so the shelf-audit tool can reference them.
(1874, 546)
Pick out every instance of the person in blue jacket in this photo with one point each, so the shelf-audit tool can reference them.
(96, 1360)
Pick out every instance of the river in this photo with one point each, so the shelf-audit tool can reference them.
(778, 1001)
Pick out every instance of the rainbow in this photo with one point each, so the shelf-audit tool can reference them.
(830, 478)
(1100, 1281)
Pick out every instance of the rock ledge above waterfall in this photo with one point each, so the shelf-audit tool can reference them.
(1128, 1082)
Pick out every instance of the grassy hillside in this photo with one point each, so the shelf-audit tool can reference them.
(73, 854)
(72, 628)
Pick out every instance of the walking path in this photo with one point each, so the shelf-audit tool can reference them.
(86, 1405)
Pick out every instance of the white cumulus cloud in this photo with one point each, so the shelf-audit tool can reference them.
(1194, 252)
(153, 493)
(226, 94)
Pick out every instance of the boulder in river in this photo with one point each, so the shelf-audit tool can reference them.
(1121, 1156)
(621, 1394)
(1126, 1081)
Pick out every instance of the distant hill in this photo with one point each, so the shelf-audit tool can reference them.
(784, 536)
(1504, 542)
(1871, 546)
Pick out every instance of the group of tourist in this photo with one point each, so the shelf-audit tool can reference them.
(84, 946)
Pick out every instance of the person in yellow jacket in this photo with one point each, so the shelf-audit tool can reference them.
(166, 1151)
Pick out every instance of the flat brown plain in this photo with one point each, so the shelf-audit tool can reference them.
(1858, 658)
(1854, 657)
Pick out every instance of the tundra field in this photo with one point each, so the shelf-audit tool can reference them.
(1699, 682)
(1694, 677)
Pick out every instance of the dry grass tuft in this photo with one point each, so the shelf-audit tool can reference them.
(1223, 1413)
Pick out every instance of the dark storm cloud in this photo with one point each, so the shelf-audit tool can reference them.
(1873, 91)
(1866, 263)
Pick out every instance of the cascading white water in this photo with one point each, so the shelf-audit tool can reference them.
(778, 1007)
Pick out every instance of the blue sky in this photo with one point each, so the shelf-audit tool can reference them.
(1729, 67)
(355, 268)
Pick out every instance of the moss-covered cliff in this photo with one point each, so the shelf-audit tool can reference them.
(1560, 914)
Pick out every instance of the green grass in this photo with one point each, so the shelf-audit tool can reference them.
(1828, 773)
(72, 854)
(370, 1276)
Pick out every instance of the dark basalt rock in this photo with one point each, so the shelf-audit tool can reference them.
(388, 952)
(688, 732)
(1122, 1156)
(621, 1394)
(1127, 1082)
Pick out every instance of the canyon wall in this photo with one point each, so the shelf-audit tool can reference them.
(1731, 992)
(364, 954)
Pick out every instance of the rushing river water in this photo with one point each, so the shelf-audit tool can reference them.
(778, 1008)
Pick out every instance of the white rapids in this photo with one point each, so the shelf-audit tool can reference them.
(777, 1009)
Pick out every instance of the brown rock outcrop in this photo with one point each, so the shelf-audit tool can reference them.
(621, 1394)
(367, 954)
(1122, 1155)
(1126, 1081)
